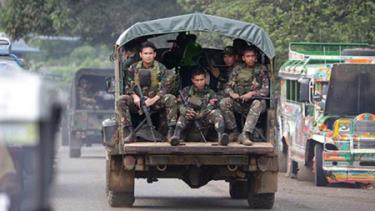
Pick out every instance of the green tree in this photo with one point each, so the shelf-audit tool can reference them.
(96, 21)
(23, 17)
(298, 20)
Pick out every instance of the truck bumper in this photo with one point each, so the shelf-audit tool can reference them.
(350, 175)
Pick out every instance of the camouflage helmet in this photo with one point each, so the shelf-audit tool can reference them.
(229, 50)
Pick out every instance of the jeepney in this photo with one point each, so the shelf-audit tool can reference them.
(326, 112)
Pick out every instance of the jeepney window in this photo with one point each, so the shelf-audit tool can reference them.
(292, 90)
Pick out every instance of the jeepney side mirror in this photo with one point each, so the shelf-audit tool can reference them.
(109, 85)
(304, 90)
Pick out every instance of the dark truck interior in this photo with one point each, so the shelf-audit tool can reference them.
(207, 58)
(96, 90)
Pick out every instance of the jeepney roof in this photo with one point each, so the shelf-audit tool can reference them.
(315, 60)
(201, 22)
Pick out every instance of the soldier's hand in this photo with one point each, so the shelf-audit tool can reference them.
(151, 101)
(247, 96)
(190, 114)
(137, 100)
(213, 101)
(234, 96)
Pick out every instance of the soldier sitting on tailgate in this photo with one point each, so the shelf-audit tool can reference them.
(156, 82)
(247, 81)
(199, 105)
(85, 98)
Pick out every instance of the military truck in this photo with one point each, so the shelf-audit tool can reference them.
(326, 112)
(89, 105)
(251, 171)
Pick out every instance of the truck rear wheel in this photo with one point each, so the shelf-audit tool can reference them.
(238, 189)
(75, 144)
(119, 184)
(120, 199)
(261, 200)
(319, 177)
(74, 153)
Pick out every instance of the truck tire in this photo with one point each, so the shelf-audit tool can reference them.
(238, 189)
(120, 199)
(119, 184)
(261, 200)
(319, 177)
(74, 153)
(107, 171)
(74, 146)
(283, 161)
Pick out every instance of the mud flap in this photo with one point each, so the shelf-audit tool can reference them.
(120, 180)
(265, 179)
(265, 182)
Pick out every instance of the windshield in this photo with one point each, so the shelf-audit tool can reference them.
(351, 90)
(91, 93)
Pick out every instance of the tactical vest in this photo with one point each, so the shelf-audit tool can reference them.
(198, 101)
(151, 90)
(244, 80)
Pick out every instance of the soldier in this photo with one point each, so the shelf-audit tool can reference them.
(218, 80)
(85, 99)
(131, 54)
(239, 46)
(200, 105)
(155, 81)
(248, 80)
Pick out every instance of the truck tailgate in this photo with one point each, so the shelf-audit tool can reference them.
(197, 148)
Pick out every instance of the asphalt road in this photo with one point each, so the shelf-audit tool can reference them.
(80, 186)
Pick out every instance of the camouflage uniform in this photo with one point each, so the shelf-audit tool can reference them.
(222, 80)
(86, 101)
(242, 80)
(162, 81)
(129, 61)
(207, 113)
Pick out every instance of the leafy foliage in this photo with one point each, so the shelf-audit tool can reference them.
(298, 20)
(96, 21)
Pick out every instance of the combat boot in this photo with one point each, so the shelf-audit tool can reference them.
(245, 139)
(131, 135)
(233, 135)
(175, 139)
(223, 139)
(170, 132)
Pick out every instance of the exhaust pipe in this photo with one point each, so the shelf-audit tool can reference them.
(161, 167)
(232, 168)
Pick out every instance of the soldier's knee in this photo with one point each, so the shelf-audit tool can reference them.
(256, 104)
(225, 103)
(123, 100)
(170, 99)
